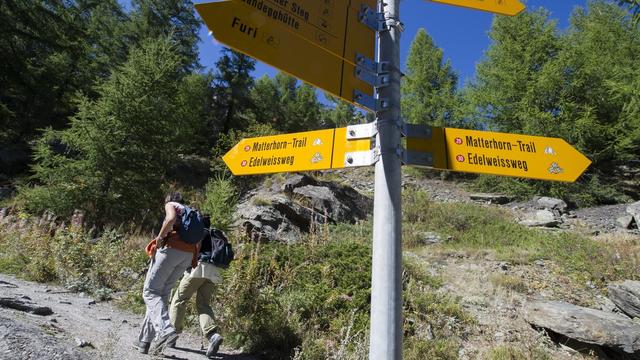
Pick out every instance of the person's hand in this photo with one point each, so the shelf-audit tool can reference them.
(160, 242)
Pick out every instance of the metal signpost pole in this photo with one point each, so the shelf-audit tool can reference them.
(386, 277)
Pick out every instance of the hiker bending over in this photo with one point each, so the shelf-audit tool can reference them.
(170, 256)
(201, 282)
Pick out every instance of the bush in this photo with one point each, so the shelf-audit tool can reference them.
(220, 201)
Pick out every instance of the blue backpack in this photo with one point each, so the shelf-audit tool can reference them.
(191, 229)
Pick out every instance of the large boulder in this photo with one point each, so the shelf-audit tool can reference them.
(550, 203)
(626, 296)
(299, 206)
(615, 333)
(634, 210)
(541, 218)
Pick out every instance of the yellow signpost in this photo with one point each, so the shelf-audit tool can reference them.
(252, 32)
(304, 151)
(330, 24)
(484, 152)
(502, 7)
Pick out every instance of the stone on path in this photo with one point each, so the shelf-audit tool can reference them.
(626, 296)
(25, 305)
(608, 330)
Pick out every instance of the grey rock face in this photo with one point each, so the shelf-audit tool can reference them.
(626, 296)
(302, 204)
(634, 210)
(552, 204)
(612, 331)
(626, 221)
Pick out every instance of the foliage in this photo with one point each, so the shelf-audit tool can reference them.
(578, 85)
(341, 113)
(428, 88)
(286, 106)
(232, 83)
(107, 263)
(634, 6)
(112, 159)
(220, 201)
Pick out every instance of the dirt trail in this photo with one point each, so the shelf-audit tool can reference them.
(109, 331)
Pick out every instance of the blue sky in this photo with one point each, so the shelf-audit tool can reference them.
(460, 32)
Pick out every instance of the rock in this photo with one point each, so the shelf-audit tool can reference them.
(634, 210)
(26, 306)
(550, 203)
(430, 238)
(301, 205)
(504, 266)
(83, 343)
(626, 221)
(491, 198)
(542, 218)
(626, 295)
(539, 262)
(589, 326)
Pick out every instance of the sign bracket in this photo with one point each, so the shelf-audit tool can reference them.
(362, 131)
(368, 101)
(361, 158)
(371, 19)
(416, 131)
(417, 158)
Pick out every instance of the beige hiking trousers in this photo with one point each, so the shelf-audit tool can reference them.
(203, 288)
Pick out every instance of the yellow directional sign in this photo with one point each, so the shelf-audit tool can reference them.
(305, 151)
(502, 7)
(330, 24)
(525, 156)
(250, 31)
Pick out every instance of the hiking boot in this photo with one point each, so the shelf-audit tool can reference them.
(141, 346)
(214, 345)
(172, 344)
(162, 342)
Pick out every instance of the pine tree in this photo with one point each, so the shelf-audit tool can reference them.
(232, 83)
(113, 158)
(429, 85)
(151, 19)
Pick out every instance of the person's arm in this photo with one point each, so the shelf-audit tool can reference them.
(167, 224)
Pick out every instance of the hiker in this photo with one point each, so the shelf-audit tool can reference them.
(170, 256)
(200, 281)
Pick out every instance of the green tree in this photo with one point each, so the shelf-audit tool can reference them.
(112, 159)
(151, 19)
(286, 105)
(49, 50)
(634, 6)
(515, 90)
(341, 113)
(232, 82)
(599, 64)
(429, 85)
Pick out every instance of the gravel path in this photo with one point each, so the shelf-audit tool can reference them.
(79, 328)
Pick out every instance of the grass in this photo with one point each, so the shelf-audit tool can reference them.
(472, 227)
(509, 352)
(510, 282)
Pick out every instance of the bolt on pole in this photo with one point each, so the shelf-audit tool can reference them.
(386, 275)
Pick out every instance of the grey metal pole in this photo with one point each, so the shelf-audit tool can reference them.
(386, 275)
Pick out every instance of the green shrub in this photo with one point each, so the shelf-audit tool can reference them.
(220, 201)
